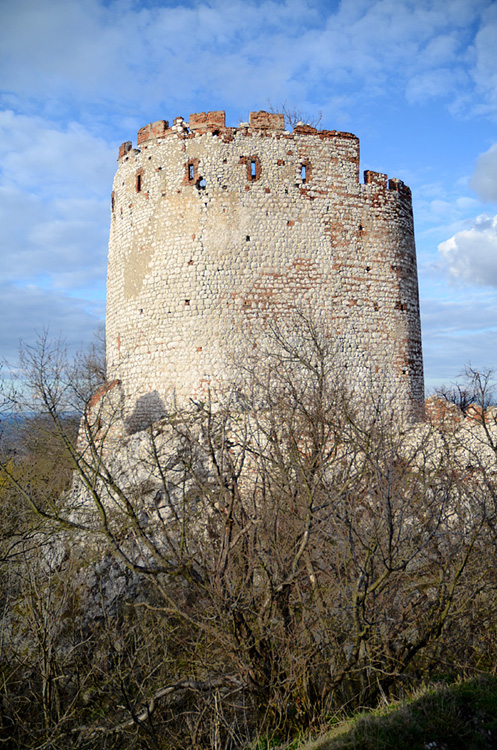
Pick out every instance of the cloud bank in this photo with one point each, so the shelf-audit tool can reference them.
(471, 254)
(129, 52)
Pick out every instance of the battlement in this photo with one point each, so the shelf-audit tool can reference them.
(214, 123)
(381, 181)
(202, 122)
(152, 130)
(215, 229)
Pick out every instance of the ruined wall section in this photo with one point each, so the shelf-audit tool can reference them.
(214, 226)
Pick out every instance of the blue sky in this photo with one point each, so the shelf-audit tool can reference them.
(416, 81)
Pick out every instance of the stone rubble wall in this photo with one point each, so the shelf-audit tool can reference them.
(216, 230)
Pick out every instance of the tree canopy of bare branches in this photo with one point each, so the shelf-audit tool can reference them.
(242, 569)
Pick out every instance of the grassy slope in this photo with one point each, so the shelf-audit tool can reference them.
(460, 717)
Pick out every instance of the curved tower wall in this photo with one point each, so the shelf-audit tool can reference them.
(213, 226)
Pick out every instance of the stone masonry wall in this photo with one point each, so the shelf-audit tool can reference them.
(214, 226)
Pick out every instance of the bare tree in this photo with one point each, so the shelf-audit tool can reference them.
(291, 551)
(294, 116)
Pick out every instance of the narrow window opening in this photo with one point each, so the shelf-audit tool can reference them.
(138, 183)
(253, 166)
(303, 172)
(191, 172)
(247, 238)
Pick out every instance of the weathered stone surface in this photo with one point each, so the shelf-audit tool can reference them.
(216, 230)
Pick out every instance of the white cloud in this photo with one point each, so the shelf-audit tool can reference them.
(434, 83)
(26, 311)
(61, 244)
(456, 332)
(49, 159)
(484, 179)
(485, 68)
(122, 52)
(471, 254)
(55, 184)
(440, 209)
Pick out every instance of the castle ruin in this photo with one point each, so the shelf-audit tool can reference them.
(213, 227)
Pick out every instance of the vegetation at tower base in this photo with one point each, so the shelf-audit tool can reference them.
(244, 568)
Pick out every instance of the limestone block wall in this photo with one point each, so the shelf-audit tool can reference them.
(214, 226)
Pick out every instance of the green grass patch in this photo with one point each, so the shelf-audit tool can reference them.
(457, 717)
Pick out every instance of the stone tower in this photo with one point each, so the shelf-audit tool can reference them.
(213, 226)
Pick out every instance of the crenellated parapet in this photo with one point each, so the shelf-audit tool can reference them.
(215, 228)
(200, 123)
(259, 124)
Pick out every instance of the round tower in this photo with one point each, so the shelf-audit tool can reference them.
(213, 226)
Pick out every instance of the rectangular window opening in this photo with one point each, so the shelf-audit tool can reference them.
(191, 172)
(303, 172)
(253, 171)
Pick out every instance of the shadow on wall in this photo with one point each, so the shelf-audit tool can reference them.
(148, 409)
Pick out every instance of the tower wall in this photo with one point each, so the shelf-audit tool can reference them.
(214, 226)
